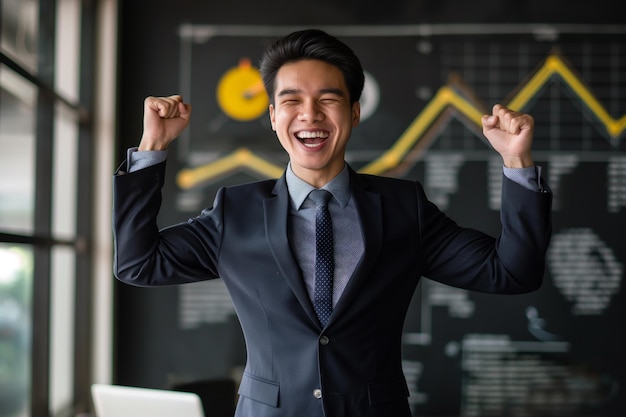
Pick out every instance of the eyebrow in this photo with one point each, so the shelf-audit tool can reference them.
(289, 91)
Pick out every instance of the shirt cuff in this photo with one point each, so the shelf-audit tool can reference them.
(143, 159)
(529, 177)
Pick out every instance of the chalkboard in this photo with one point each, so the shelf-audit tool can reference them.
(556, 352)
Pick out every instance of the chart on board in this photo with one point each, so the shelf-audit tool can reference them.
(556, 352)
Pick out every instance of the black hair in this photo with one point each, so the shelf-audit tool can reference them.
(313, 44)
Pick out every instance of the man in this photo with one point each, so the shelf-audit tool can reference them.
(260, 238)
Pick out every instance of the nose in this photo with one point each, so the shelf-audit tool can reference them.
(310, 111)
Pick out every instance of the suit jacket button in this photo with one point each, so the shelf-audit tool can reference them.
(317, 393)
(324, 340)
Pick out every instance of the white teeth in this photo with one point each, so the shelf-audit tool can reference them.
(310, 135)
(311, 145)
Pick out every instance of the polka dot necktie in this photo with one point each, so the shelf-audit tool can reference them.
(324, 262)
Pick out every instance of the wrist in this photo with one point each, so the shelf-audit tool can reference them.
(151, 145)
(518, 161)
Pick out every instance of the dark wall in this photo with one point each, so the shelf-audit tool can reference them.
(551, 353)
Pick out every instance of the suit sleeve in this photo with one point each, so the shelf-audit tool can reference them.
(147, 256)
(512, 263)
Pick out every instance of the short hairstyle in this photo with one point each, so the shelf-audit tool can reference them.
(312, 44)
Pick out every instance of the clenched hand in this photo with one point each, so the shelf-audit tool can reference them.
(164, 119)
(511, 135)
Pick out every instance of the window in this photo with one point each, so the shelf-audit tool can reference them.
(46, 142)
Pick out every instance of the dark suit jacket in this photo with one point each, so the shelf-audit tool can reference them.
(356, 359)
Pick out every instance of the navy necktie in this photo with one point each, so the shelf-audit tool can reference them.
(324, 261)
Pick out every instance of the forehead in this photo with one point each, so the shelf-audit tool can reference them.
(309, 74)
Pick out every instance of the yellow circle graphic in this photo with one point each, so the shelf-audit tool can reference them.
(240, 92)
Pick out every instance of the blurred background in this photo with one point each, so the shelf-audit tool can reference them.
(73, 76)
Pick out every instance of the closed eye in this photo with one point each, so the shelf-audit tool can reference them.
(289, 101)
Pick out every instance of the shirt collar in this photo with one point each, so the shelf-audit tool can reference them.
(299, 189)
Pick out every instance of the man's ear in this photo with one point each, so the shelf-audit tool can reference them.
(356, 114)
(272, 119)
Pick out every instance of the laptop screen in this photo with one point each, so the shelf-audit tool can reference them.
(125, 401)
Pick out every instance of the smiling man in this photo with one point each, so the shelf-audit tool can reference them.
(383, 235)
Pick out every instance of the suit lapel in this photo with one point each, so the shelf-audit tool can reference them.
(276, 214)
(369, 207)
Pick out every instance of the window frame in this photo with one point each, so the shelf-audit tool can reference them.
(42, 239)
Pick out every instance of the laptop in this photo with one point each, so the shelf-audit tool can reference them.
(124, 401)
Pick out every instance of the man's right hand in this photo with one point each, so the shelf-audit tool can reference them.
(164, 119)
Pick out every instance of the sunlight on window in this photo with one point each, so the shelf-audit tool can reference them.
(15, 328)
(10, 264)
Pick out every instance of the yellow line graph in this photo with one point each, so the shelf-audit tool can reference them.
(446, 96)
(393, 156)
(240, 158)
(555, 65)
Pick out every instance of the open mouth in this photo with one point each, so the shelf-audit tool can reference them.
(312, 139)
